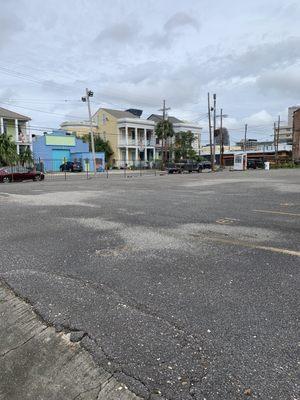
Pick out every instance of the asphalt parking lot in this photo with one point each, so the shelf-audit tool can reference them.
(186, 285)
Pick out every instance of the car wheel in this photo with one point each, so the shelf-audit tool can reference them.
(6, 179)
(37, 178)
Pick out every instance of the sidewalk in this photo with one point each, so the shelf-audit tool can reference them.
(39, 364)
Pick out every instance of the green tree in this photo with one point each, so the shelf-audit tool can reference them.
(101, 145)
(25, 157)
(183, 146)
(163, 131)
(8, 151)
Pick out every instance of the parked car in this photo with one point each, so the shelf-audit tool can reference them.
(190, 166)
(204, 165)
(71, 166)
(255, 163)
(194, 166)
(174, 168)
(19, 174)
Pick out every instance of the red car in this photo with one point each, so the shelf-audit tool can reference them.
(18, 174)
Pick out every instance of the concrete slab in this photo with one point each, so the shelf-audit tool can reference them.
(39, 364)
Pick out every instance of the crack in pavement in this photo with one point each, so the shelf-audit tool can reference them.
(23, 343)
(100, 386)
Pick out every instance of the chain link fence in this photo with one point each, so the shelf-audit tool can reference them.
(83, 169)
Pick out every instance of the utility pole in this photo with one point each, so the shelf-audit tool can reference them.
(245, 137)
(86, 98)
(163, 140)
(214, 131)
(209, 128)
(275, 141)
(221, 138)
(277, 138)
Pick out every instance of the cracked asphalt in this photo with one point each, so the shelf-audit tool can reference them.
(186, 287)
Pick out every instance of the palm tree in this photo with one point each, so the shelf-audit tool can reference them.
(163, 131)
(8, 151)
(25, 156)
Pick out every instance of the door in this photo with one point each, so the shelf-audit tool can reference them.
(58, 158)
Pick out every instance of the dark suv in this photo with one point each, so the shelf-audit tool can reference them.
(255, 163)
(71, 166)
(204, 165)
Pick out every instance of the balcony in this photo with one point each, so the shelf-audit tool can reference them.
(23, 138)
(130, 142)
(151, 142)
(133, 142)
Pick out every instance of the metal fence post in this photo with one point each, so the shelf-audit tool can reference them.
(65, 162)
(87, 167)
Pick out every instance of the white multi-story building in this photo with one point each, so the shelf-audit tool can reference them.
(136, 140)
(286, 131)
(133, 138)
(181, 126)
(17, 127)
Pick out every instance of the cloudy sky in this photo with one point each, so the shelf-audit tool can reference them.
(135, 53)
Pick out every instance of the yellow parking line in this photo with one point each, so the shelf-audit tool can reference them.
(250, 245)
(277, 212)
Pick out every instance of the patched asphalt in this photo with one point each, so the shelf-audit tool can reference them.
(180, 286)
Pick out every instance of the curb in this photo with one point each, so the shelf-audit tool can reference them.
(39, 363)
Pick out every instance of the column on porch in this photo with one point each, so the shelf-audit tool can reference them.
(126, 145)
(17, 135)
(126, 135)
(136, 136)
(28, 130)
(145, 145)
(136, 155)
(1, 126)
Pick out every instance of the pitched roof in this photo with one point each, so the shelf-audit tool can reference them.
(4, 113)
(119, 113)
(157, 118)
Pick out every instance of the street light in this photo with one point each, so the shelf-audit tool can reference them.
(86, 99)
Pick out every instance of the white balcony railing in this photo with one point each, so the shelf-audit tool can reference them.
(151, 142)
(139, 142)
(23, 138)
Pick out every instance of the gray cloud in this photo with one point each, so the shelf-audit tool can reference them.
(119, 33)
(266, 55)
(181, 19)
(137, 55)
(171, 30)
(10, 25)
(284, 82)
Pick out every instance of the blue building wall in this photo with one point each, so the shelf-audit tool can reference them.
(52, 155)
(86, 159)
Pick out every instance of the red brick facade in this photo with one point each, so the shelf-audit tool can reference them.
(296, 135)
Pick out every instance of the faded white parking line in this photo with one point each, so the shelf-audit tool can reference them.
(277, 212)
(248, 244)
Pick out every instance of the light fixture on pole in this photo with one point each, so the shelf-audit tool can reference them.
(86, 99)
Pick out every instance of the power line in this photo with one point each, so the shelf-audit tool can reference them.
(43, 111)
